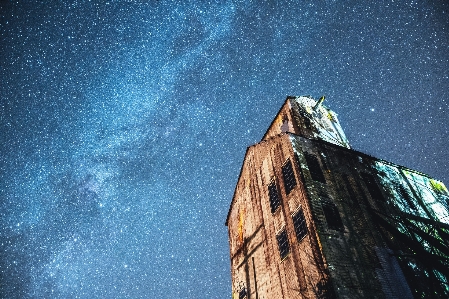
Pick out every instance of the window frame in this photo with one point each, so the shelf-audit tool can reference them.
(274, 198)
(331, 214)
(315, 169)
(288, 176)
(284, 248)
(374, 190)
(242, 293)
(303, 224)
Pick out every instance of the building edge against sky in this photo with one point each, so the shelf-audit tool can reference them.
(313, 218)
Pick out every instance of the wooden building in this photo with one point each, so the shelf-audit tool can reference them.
(313, 218)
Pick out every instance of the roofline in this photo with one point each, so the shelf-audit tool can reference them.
(275, 118)
(322, 142)
(237, 183)
(243, 164)
(364, 155)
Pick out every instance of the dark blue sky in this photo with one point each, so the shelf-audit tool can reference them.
(124, 126)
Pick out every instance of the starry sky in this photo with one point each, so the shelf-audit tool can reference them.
(124, 125)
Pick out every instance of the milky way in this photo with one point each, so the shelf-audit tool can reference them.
(124, 125)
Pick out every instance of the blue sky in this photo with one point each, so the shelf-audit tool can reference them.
(125, 123)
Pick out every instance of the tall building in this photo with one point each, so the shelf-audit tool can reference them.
(313, 218)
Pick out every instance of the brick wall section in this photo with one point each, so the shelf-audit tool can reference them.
(327, 261)
(253, 229)
(352, 252)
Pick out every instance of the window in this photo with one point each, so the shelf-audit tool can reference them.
(303, 117)
(354, 200)
(406, 196)
(299, 222)
(242, 293)
(351, 192)
(275, 201)
(331, 213)
(284, 248)
(307, 123)
(289, 176)
(372, 186)
(314, 168)
(323, 162)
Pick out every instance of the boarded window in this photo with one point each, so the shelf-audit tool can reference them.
(372, 186)
(314, 168)
(273, 193)
(289, 176)
(284, 247)
(332, 215)
(300, 225)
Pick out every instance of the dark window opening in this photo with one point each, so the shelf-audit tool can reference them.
(372, 186)
(299, 222)
(307, 123)
(305, 119)
(332, 215)
(406, 196)
(352, 195)
(314, 168)
(273, 193)
(242, 293)
(284, 247)
(351, 192)
(289, 176)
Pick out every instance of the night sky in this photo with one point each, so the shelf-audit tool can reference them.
(124, 126)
